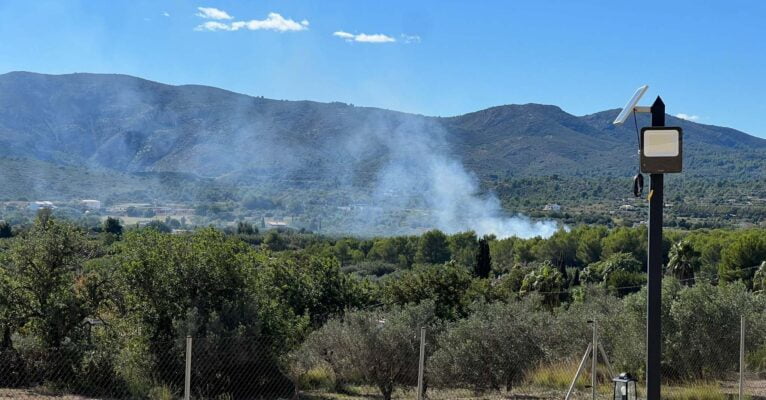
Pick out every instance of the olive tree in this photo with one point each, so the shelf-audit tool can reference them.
(369, 347)
(490, 349)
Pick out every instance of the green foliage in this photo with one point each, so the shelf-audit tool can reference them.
(600, 271)
(274, 241)
(299, 296)
(547, 280)
(589, 244)
(622, 282)
(488, 350)
(483, 264)
(502, 254)
(113, 226)
(446, 285)
(46, 288)
(693, 334)
(759, 279)
(368, 347)
(5, 230)
(433, 248)
(560, 249)
(463, 248)
(743, 256)
(683, 262)
(246, 228)
(626, 240)
(398, 250)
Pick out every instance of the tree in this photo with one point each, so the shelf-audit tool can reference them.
(547, 280)
(113, 226)
(483, 265)
(246, 228)
(684, 262)
(759, 279)
(589, 244)
(159, 226)
(398, 250)
(463, 248)
(370, 347)
(46, 280)
(432, 248)
(447, 285)
(5, 230)
(620, 272)
(489, 350)
(560, 249)
(274, 241)
(502, 252)
(626, 240)
(741, 257)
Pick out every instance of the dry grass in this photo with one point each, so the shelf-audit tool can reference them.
(694, 391)
(556, 376)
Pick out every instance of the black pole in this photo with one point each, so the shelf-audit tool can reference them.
(654, 263)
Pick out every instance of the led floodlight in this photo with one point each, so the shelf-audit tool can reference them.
(661, 150)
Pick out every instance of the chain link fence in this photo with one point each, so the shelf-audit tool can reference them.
(383, 363)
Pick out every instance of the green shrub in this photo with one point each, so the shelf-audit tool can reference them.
(368, 348)
(162, 392)
(320, 377)
(493, 348)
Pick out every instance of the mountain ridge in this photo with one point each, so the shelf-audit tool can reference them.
(130, 124)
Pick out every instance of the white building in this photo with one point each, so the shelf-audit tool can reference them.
(36, 205)
(552, 207)
(91, 204)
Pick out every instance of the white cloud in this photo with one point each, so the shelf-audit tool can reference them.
(165, 14)
(344, 35)
(687, 117)
(213, 26)
(212, 13)
(364, 38)
(410, 38)
(273, 22)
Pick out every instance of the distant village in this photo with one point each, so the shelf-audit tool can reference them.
(140, 214)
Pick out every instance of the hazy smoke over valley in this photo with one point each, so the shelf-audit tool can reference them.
(345, 169)
(420, 175)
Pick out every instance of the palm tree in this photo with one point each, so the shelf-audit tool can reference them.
(684, 262)
(759, 280)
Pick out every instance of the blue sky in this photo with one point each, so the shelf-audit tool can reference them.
(706, 59)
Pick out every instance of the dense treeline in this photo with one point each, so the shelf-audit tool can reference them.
(113, 304)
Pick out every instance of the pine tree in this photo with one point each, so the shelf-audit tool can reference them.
(483, 265)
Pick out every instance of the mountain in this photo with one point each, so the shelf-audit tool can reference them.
(130, 125)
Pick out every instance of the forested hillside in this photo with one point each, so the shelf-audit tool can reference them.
(130, 124)
(282, 313)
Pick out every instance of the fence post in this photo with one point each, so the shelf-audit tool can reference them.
(741, 355)
(187, 374)
(594, 366)
(421, 364)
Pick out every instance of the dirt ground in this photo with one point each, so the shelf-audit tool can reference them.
(29, 394)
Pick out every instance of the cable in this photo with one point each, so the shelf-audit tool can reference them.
(638, 180)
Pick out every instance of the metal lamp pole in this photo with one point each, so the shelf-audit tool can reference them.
(654, 262)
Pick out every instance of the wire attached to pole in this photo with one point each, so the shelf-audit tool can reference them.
(638, 180)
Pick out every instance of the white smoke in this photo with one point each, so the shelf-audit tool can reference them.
(421, 175)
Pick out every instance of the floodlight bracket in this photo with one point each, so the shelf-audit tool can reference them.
(642, 109)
